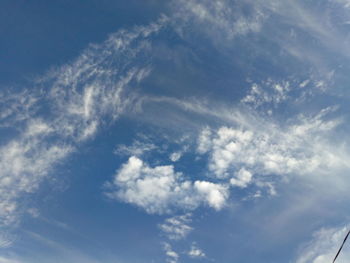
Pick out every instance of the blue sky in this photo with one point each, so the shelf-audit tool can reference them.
(174, 131)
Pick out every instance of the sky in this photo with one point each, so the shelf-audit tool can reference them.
(174, 131)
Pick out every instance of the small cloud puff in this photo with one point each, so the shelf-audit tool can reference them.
(175, 156)
(242, 179)
(172, 256)
(196, 252)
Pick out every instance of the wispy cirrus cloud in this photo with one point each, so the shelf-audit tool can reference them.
(137, 148)
(220, 17)
(16, 107)
(24, 163)
(76, 100)
(324, 246)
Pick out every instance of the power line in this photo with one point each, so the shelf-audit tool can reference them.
(341, 247)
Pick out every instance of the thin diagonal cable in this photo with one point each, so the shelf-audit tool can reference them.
(341, 247)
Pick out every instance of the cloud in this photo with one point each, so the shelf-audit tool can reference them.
(196, 252)
(154, 189)
(269, 149)
(345, 3)
(161, 190)
(303, 37)
(70, 105)
(80, 98)
(8, 260)
(242, 178)
(245, 145)
(204, 141)
(95, 89)
(273, 94)
(24, 162)
(172, 256)
(137, 148)
(58, 251)
(214, 194)
(220, 17)
(16, 107)
(175, 156)
(324, 246)
(80, 113)
(6, 239)
(177, 227)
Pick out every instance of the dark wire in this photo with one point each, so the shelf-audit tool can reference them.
(341, 246)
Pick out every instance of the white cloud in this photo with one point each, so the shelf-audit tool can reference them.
(242, 178)
(345, 3)
(63, 252)
(8, 260)
(324, 246)
(283, 24)
(270, 148)
(175, 156)
(215, 194)
(77, 99)
(272, 94)
(24, 163)
(161, 189)
(204, 141)
(177, 227)
(154, 189)
(260, 146)
(172, 256)
(17, 107)
(94, 89)
(80, 112)
(33, 212)
(6, 239)
(196, 252)
(219, 17)
(137, 148)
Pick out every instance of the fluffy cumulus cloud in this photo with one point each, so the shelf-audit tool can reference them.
(214, 194)
(161, 190)
(324, 246)
(267, 148)
(242, 178)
